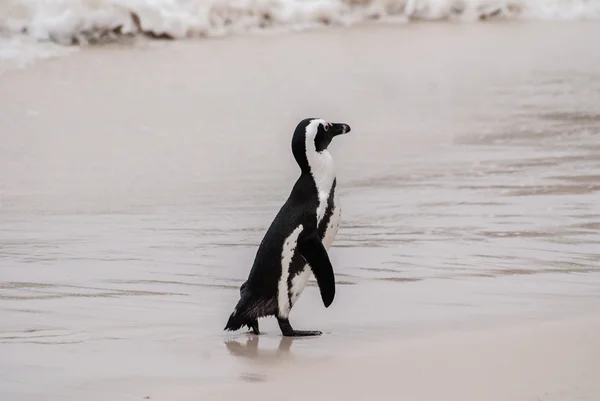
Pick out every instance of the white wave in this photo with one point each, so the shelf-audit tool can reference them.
(82, 21)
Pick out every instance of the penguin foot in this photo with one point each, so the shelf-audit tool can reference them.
(288, 331)
(254, 326)
(303, 333)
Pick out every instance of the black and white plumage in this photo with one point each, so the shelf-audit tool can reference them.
(296, 243)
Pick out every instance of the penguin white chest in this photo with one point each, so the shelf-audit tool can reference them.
(323, 173)
(299, 281)
(334, 224)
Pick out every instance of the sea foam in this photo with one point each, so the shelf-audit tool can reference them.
(79, 21)
(68, 22)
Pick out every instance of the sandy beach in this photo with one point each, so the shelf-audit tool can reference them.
(529, 361)
(137, 179)
(534, 360)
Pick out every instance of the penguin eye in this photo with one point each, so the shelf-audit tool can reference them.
(326, 127)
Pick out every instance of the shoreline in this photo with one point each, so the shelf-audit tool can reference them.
(40, 52)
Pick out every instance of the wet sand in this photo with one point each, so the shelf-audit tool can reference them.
(136, 183)
(540, 361)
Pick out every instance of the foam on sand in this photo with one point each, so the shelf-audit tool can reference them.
(81, 21)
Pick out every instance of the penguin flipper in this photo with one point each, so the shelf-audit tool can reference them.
(312, 250)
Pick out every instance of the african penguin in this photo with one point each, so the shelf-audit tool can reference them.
(295, 245)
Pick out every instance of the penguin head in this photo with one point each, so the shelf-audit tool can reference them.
(312, 137)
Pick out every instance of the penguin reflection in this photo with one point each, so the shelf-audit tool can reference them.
(250, 350)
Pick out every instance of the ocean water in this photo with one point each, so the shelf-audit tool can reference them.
(29, 29)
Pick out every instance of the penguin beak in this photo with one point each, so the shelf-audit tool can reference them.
(339, 129)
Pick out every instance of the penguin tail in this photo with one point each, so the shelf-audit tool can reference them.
(235, 322)
(240, 316)
(238, 319)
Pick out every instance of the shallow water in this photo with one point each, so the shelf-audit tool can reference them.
(136, 185)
